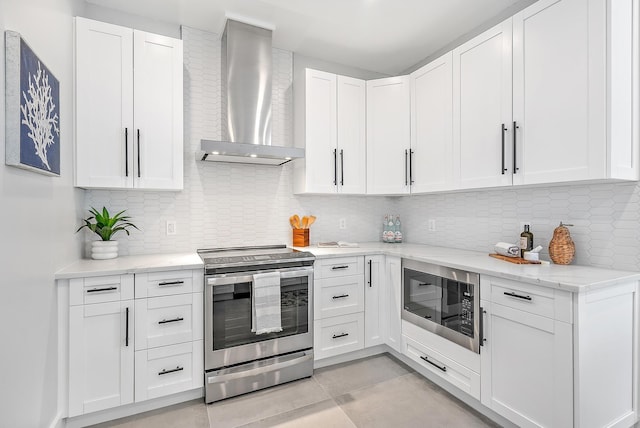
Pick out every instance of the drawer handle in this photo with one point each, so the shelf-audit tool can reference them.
(164, 371)
(97, 290)
(161, 284)
(173, 320)
(517, 296)
(340, 296)
(340, 267)
(422, 284)
(336, 336)
(443, 368)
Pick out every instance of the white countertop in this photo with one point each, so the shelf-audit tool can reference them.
(565, 277)
(130, 264)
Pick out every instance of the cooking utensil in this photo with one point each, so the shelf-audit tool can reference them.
(310, 221)
(305, 222)
(296, 221)
(292, 222)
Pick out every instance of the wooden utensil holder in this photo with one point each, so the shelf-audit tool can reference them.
(300, 237)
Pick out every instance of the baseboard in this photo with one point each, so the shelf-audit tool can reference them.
(350, 356)
(131, 409)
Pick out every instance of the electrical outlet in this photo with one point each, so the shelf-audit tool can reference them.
(342, 223)
(432, 225)
(171, 227)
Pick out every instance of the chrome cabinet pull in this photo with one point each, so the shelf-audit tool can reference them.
(172, 320)
(336, 336)
(340, 267)
(481, 326)
(443, 368)
(341, 296)
(503, 129)
(164, 371)
(411, 181)
(517, 296)
(98, 290)
(126, 327)
(370, 272)
(515, 127)
(169, 283)
(126, 152)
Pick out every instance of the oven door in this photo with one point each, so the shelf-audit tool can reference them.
(228, 336)
(443, 301)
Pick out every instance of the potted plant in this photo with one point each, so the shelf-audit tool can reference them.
(105, 226)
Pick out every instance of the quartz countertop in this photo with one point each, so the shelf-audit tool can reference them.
(130, 264)
(571, 278)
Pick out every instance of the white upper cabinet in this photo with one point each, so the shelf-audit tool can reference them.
(128, 106)
(388, 136)
(482, 109)
(431, 126)
(560, 91)
(334, 135)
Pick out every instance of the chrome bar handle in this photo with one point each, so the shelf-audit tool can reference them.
(340, 267)
(138, 153)
(126, 152)
(337, 336)
(164, 371)
(335, 167)
(341, 167)
(503, 129)
(172, 320)
(126, 327)
(517, 296)
(443, 368)
(370, 272)
(97, 290)
(169, 283)
(411, 181)
(341, 296)
(515, 128)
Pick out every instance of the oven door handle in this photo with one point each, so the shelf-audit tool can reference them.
(234, 279)
(306, 356)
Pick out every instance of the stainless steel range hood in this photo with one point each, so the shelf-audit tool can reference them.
(246, 101)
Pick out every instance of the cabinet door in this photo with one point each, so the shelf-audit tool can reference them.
(103, 105)
(375, 327)
(558, 82)
(388, 135)
(392, 302)
(321, 149)
(101, 356)
(351, 125)
(527, 367)
(482, 99)
(158, 112)
(431, 126)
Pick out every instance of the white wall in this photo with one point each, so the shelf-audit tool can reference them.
(38, 217)
(230, 205)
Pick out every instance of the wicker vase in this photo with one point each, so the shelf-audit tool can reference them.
(561, 248)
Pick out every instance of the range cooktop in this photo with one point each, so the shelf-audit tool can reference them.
(252, 256)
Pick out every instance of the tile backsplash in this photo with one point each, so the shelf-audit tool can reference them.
(230, 205)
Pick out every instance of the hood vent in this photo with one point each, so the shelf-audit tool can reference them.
(246, 101)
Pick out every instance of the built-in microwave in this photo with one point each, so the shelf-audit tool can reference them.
(444, 301)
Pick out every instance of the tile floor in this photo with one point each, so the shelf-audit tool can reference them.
(378, 391)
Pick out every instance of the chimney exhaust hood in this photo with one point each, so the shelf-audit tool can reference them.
(246, 101)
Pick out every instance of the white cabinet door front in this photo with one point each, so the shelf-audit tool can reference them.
(388, 135)
(393, 301)
(559, 86)
(321, 150)
(158, 112)
(431, 127)
(482, 99)
(527, 368)
(101, 356)
(104, 108)
(351, 125)
(375, 327)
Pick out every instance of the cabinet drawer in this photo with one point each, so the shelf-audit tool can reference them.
(169, 369)
(100, 289)
(153, 284)
(168, 320)
(338, 296)
(338, 335)
(543, 301)
(436, 363)
(343, 266)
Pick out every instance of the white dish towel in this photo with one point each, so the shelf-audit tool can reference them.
(265, 307)
(507, 249)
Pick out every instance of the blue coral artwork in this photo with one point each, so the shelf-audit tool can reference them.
(32, 110)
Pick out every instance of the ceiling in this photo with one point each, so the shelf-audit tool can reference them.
(385, 36)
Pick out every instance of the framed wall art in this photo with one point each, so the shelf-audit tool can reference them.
(32, 110)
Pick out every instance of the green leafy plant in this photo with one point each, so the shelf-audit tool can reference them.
(106, 226)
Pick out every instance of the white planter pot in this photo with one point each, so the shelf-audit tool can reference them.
(103, 250)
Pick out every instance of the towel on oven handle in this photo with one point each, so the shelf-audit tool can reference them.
(265, 303)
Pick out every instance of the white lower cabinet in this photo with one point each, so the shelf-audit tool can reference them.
(375, 324)
(119, 346)
(338, 335)
(392, 301)
(169, 369)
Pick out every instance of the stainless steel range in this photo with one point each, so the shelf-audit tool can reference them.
(237, 359)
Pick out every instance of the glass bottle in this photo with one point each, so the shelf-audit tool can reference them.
(526, 240)
(398, 231)
(385, 226)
